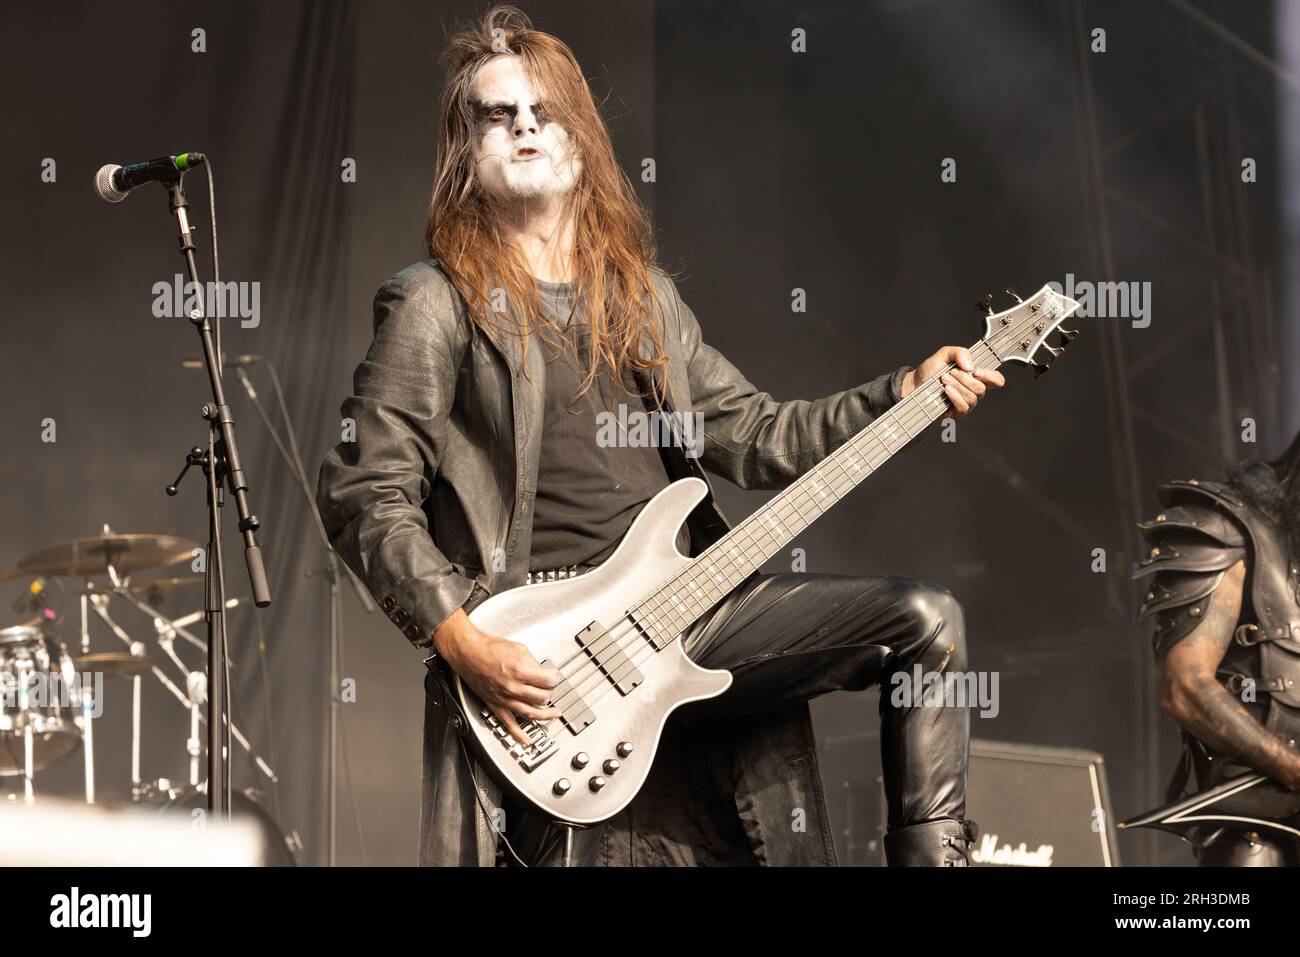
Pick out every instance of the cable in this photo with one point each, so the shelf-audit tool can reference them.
(266, 707)
(228, 717)
(482, 801)
(216, 269)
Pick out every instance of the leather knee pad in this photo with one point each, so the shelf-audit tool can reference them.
(939, 627)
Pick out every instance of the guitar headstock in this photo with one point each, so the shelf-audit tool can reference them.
(1016, 334)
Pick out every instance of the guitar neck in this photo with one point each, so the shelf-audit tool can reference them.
(719, 569)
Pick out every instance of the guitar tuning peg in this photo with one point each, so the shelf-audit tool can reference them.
(1052, 354)
(1014, 295)
(986, 304)
(1067, 335)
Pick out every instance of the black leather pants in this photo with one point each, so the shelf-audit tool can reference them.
(793, 637)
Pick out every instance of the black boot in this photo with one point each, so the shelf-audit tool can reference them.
(944, 842)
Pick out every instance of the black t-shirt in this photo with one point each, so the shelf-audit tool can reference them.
(589, 488)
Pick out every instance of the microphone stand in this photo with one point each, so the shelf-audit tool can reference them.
(220, 464)
(293, 460)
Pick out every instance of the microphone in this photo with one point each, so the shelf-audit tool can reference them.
(196, 362)
(113, 182)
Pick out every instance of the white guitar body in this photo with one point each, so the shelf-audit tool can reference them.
(573, 781)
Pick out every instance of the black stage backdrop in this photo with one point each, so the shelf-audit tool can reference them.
(773, 171)
(270, 101)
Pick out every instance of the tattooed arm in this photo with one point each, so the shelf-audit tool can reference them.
(1193, 697)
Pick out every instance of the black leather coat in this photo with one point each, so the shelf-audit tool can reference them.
(430, 503)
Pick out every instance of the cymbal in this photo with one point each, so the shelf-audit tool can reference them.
(114, 664)
(92, 556)
(146, 585)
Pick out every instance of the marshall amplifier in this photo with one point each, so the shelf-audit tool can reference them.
(1035, 806)
(1039, 807)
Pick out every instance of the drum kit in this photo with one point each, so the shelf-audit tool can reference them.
(51, 698)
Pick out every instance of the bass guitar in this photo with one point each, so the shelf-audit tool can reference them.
(615, 633)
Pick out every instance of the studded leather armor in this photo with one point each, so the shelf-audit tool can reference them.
(1203, 530)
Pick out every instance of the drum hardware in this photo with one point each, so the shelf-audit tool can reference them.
(197, 687)
(89, 702)
(115, 556)
(37, 730)
(105, 554)
(116, 664)
(34, 735)
(173, 627)
(40, 695)
(136, 664)
(153, 589)
(166, 629)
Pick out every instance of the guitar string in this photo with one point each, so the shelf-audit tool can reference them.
(582, 682)
(932, 386)
(577, 690)
(908, 418)
(591, 669)
(594, 670)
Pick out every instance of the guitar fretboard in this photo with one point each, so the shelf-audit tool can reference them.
(717, 571)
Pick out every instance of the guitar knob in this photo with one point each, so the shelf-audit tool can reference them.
(561, 787)
(624, 748)
(596, 783)
(1014, 295)
(1067, 335)
(985, 305)
(611, 765)
(580, 760)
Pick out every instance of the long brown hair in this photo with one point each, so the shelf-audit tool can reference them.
(613, 243)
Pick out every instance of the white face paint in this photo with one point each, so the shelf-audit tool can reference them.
(519, 152)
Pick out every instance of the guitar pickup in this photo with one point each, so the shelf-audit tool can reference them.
(604, 649)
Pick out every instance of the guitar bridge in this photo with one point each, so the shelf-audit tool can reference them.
(541, 745)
